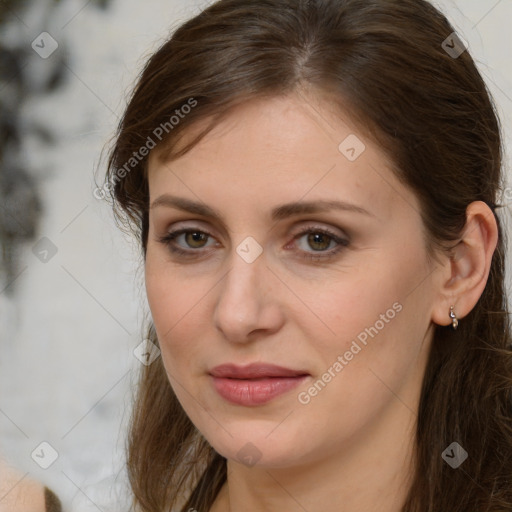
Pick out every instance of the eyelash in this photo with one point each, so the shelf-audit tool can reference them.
(168, 240)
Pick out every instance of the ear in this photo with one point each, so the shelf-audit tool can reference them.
(465, 271)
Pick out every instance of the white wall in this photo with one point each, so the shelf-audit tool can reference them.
(69, 331)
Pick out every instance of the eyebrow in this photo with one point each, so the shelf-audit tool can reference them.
(278, 213)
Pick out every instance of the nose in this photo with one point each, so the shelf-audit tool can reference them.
(247, 302)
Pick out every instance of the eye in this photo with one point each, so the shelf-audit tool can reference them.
(323, 242)
(192, 239)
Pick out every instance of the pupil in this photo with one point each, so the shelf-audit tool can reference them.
(197, 237)
(319, 238)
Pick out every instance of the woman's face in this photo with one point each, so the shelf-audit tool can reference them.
(294, 245)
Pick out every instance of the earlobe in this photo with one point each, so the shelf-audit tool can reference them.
(468, 266)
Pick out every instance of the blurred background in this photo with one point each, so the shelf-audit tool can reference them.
(72, 301)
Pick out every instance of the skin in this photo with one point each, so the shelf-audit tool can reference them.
(18, 492)
(350, 447)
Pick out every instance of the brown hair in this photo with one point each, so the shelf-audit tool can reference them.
(432, 114)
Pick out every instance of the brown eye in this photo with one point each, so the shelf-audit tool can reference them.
(187, 242)
(196, 239)
(316, 244)
(319, 241)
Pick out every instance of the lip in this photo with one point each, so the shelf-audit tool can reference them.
(254, 371)
(254, 384)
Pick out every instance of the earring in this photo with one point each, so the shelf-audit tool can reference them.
(453, 316)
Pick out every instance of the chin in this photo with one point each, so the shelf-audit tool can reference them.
(253, 446)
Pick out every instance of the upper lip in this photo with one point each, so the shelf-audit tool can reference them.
(254, 371)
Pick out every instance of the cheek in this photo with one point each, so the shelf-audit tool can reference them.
(375, 318)
(346, 306)
(176, 309)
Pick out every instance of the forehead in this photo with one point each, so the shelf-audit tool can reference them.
(282, 148)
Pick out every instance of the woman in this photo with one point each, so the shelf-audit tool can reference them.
(315, 187)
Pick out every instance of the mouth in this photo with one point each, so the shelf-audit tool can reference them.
(254, 384)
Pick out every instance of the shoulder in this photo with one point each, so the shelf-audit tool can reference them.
(20, 493)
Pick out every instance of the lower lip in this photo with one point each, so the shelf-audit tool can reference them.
(254, 391)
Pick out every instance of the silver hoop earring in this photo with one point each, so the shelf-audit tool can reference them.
(453, 316)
